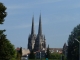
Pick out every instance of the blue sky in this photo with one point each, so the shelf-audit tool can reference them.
(59, 17)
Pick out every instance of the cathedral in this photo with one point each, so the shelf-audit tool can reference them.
(36, 42)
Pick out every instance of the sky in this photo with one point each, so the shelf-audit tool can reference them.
(59, 17)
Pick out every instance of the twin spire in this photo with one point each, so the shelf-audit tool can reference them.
(32, 30)
(40, 26)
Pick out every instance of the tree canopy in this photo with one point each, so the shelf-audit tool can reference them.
(2, 13)
(73, 45)
(7, 50)
(55, 55)
(48, 52)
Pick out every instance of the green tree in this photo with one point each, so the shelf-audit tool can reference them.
(7, 50)
(32, 55)
(19, 54)
(48, 52)
(73, 45)
(2, 13)
(55, 55)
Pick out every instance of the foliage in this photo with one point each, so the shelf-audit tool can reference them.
(7, 50)
(2, 13)
(48, 53)
(20, 51)
(55, 56)
(19, 54)
(32, 55)
(73, 45)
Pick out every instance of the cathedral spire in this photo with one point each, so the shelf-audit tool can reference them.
(32, 29)
(40, 26)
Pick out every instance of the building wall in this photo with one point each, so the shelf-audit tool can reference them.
(25, 51)
(56, 50)
(36, 42)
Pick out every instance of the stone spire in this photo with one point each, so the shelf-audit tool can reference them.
(40, 26)
(32, 29)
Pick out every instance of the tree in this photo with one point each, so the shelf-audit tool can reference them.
(7, 50)
(19, 54)
(32, 55)
(20, 51)
(55, 55)
(73, 45)
(48, 53)
(2, 13)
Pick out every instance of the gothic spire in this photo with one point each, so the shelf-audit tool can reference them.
(40, 26)
(32, 29)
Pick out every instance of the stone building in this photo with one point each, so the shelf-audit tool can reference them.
(56, 50)
(36, 42)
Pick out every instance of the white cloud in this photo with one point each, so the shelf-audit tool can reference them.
(50, 1)
(29, 25)
(24, 26)
(30, 4)
(67, 4)
(19, 6)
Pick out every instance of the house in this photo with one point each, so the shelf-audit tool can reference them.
(56, 50)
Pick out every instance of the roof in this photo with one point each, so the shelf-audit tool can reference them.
(59, 50)
(17, 48)
(55, 48)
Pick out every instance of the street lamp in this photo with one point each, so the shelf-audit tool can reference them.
(79, 47)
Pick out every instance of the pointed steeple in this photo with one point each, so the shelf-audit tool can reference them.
(40, 26)
(32, 29)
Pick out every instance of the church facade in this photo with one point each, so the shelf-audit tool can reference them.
(36, 42)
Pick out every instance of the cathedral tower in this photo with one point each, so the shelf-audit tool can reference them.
(32, 30)
(40, 43)
(40, 26)
(36, 42)
(32, 37)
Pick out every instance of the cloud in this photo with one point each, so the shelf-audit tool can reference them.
(29, 4)
(69, 4)
(28, 25)
(50, 1)
(24, 26)
(19, 7)
(19, 26)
